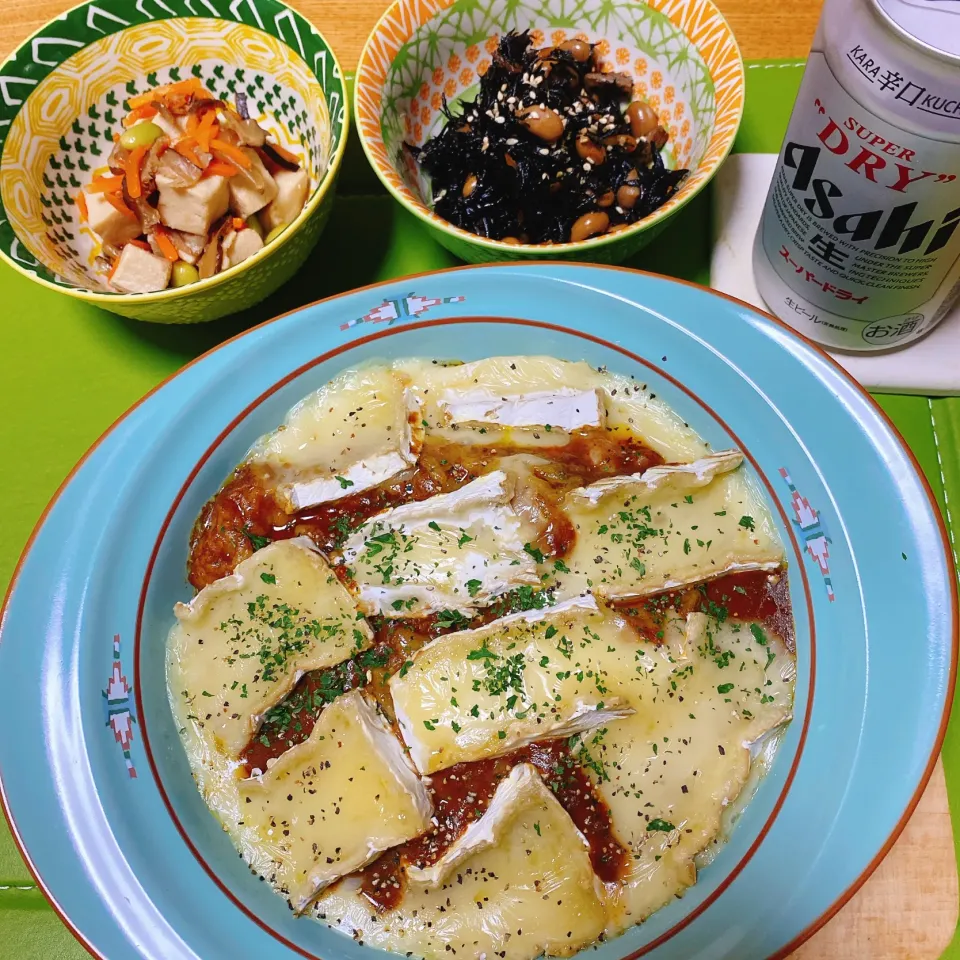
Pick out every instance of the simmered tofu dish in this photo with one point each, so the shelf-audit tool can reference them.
(483, 658)
(194, 186)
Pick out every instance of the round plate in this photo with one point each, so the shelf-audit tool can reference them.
(95, 781)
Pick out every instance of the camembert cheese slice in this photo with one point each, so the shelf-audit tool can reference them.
(712, 691)
(670, 526)
(333, 803)
(358, 431)
(455, 551)
(530, 891)
(243, 642)
(522, 788)
(500, 399)
(563, 408)
(482, 693)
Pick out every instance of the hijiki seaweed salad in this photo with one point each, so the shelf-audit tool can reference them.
(553, 149)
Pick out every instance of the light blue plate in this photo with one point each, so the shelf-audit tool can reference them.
(94, 778)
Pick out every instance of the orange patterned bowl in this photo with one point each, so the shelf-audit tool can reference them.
(682, 55)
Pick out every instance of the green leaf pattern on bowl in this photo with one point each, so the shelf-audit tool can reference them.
(64, 92)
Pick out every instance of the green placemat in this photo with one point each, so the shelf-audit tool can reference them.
(73, 369)
(930, 426)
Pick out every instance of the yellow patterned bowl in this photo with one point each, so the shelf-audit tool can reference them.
(63, 94)
(682, 55)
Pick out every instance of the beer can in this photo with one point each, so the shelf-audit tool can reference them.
(859, 242)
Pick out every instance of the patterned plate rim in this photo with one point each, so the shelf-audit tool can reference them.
(818, 351)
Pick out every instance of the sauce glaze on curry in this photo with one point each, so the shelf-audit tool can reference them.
(750, 595)
(244, 513)
(244, 516)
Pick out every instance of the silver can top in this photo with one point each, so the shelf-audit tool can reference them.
(931, 24)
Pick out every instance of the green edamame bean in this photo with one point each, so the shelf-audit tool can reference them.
(184, 274)
(253, 222)
(274, 233)
(140, 135)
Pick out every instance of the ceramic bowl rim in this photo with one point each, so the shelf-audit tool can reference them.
(547, 251)
(104, 298)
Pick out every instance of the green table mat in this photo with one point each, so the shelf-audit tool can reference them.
(70, 370)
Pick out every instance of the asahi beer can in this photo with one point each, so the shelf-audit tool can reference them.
(859, 246)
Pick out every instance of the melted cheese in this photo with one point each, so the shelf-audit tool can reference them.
(675, 766)
(689, 729)
(331, 804)
(458, 550)
(565, 409)
(670, 526)
(529, 891)
(243, 642)
(627, 403)
(482, 693)
(665, 731)
(359, 430)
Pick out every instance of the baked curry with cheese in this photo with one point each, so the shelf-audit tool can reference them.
(482, 654)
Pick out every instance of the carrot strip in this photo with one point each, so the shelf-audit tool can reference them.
(286, 154)
(193, 122)
(82, 206)
(191, 85)
(116, 138)
(166, 246)
(186, 148)
(142, 244)
(238, 223)
(113, 269)
(117, 203)
(207, 130)
(106, 184)
(209, 136)
(132, 171)
(141, 100)
(220, 168)
(234, 154)
(146, 112)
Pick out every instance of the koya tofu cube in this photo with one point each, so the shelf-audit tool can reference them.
(108, 222)
(245, 198)
(292, 189)
(193, 209)
(239, 245)
(139, 271)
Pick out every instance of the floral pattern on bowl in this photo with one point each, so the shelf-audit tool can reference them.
(681, 54)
